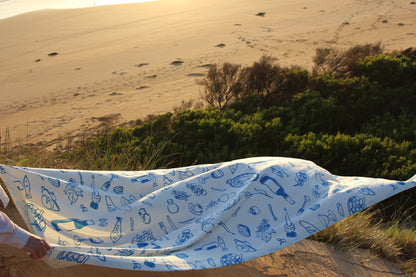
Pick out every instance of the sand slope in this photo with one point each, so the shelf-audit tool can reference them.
(118, 59)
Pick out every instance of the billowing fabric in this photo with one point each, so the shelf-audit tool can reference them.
(187, 218)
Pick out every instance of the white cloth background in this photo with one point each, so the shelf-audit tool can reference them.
(187, 218)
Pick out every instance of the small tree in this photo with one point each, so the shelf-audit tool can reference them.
(261, 77)
(222, 85)
(343, 63)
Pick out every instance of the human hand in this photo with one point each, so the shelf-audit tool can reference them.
(37, 247)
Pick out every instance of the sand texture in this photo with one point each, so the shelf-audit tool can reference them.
(64, 70)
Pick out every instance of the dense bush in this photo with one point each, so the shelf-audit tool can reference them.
(359, 119)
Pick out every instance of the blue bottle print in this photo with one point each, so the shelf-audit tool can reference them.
(95, 196)
(305, 202)
(276, 188)
(107, 184)
(70, 224)
(289, 226)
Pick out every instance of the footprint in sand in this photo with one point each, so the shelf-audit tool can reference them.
(142, 87)
(141, 64)
(262, 14)
(195, 74)
(114, 93)
(151, 76)
(177, 62)
(221, 45)
(208, 65)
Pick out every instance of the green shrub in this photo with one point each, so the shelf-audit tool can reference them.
(389, 71)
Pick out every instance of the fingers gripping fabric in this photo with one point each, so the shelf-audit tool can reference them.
(195, 217)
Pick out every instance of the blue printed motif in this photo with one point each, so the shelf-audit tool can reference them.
(184, 237)
(301, 178)
(38, 220)
(195, 209)
(265, 231)
(244, 230)
(117, 233)
(72, 191)
(356, 204)
(49, 200)
(72, 257)
(54, 182)
(181, 195)
(242, 180)
(243, 246)
(340, 209)
(187, 218)
(231, 258)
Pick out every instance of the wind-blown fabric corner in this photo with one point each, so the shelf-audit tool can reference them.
(195, 217)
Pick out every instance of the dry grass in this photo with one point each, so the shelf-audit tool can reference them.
(394, 240)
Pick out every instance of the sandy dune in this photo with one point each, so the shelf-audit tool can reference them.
(60, 69)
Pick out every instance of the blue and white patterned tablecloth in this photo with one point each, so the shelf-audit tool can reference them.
(195, 217)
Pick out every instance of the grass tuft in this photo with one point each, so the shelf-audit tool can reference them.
(394, 240)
